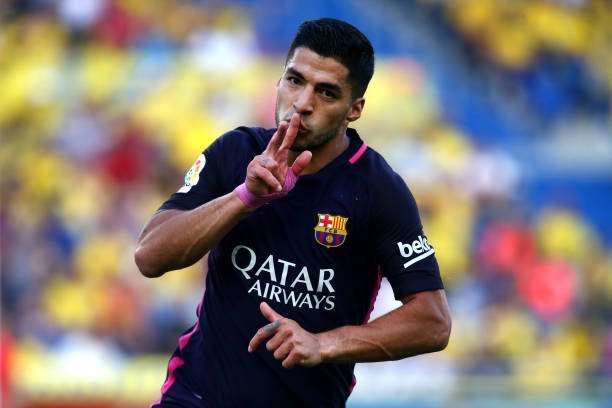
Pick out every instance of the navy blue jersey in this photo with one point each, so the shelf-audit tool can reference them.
(316, 256)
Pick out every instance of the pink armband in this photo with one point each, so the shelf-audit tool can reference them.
(253, 201)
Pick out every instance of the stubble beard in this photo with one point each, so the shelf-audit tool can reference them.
(311, 141)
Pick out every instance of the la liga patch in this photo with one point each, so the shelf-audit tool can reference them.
(193, 174)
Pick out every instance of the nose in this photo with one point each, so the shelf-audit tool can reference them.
(304, 104)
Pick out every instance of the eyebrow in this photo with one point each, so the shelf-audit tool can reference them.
(322, 85)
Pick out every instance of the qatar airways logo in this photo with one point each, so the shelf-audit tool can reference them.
(284, 281)
(417, 250)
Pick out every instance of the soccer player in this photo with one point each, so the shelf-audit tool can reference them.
(300, 223)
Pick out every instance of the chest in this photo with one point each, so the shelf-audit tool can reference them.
(308, 252)
(322, 218)
(320, 229)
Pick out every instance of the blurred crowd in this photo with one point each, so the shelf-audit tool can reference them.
(553, 57)
(106, 103)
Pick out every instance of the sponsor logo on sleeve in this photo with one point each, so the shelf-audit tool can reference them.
(415, 251)
(193, 174)
(330, 230)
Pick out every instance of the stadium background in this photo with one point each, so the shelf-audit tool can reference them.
(497, 113)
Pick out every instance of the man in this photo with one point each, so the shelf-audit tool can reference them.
(301, 223)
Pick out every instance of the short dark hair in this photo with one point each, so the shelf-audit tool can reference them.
(337, 39)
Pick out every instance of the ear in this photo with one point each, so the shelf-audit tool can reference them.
(355, 110)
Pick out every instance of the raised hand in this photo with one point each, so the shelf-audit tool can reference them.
(290, 343)
(269, 172)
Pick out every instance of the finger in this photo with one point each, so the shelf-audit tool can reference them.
(291, 132)
(258, 338)
(273, 327)
(277, 340)
(300, 162)
(277, 138)
(268, 178)
(284, 349)
(269, 313)
(268, 162)
(271, 165)
(292, 359)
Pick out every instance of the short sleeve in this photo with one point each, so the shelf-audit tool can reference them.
(403, 251)
(202, 182)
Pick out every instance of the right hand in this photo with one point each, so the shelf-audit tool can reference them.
(266, 173)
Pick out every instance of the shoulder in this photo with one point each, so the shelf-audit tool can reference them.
(229, 155)
(243, 139)
(389, 199)
(378, 174)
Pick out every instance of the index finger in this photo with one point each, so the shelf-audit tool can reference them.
(277, 138)
(291, 132)
(262, 334)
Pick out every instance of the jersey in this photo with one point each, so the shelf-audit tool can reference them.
(315, 256)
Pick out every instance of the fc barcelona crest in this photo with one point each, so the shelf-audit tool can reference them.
(330, 230)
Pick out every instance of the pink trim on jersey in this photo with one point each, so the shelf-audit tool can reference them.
(175, 362)
(371, 307)
(358, 154)
(374, 295)
(184, 339)
(353, 384)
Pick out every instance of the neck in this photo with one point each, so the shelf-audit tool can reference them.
(326, 153)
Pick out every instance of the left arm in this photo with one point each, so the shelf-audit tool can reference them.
(421, 325)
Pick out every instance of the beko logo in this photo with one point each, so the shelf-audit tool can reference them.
(419, 247)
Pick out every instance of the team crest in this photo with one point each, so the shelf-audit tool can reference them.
(330, 230)
(193, 175)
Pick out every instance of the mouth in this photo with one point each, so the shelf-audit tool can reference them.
(302, 128)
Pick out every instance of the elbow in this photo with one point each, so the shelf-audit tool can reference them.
(145, 264)
(441, 333)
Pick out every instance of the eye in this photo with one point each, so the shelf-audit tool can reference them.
(329, 94)
(293, 80)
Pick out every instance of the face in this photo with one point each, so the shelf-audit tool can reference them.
(317, 88)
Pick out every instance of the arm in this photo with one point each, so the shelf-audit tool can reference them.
(175, 239)
(421, 325)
